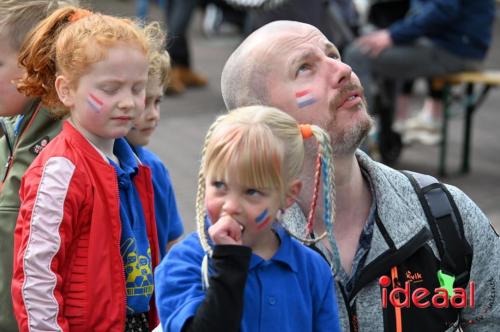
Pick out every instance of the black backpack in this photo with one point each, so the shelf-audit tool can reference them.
(447, 228)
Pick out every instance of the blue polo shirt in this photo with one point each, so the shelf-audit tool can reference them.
(292, 291)
(168, 220)
(134, 244)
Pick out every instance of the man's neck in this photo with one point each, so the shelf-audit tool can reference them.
(353, 199)
(353, 207)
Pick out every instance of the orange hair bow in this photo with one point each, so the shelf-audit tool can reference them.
(306, 131)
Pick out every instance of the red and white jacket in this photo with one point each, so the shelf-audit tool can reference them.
(68, 270)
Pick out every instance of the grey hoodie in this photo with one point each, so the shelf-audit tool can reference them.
(402, 215)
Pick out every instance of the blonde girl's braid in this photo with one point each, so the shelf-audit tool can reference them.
(200, 210)
(312, 210)
(200, 194)
(200, 216)
(329, 192)
(200, 207)
(307, 131)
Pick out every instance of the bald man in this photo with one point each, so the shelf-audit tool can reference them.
(381, 228)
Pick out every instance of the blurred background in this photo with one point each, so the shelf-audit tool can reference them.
(213, 33)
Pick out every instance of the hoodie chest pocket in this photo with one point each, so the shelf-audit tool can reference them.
(411, 297)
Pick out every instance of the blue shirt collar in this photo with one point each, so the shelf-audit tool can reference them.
(284, 255)
(128, 161)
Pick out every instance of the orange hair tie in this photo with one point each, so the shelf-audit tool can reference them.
(306, 131)
(78, 14)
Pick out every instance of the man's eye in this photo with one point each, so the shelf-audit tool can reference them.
(303, 68)
(334, 56)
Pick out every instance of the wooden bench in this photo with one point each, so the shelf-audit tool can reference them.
(477, 85)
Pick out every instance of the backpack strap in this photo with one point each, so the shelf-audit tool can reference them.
(446, 226)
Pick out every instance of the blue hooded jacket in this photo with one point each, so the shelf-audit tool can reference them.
(462, 27)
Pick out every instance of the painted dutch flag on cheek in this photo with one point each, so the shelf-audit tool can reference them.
(304, 98)
(95, 103)
(263, 219)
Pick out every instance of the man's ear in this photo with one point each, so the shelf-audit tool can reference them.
(292, 193)
(64, 91)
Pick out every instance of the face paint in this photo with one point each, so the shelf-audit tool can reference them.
(304, 98)
(263, 219)
(95, 103)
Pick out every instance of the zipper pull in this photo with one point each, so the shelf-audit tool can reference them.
(6, 168)
(9, 161)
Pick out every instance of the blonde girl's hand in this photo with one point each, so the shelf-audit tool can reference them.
(226, 231)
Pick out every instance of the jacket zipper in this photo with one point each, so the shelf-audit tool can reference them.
(9, 158)
(397, 310)
(124, 277)
(7, 166)
(12, 147)
(353, 324)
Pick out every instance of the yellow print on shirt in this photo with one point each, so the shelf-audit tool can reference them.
(138, 273)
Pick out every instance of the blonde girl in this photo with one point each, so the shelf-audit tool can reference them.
(248, 274)
(85, 240)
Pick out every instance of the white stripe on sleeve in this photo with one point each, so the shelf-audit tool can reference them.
(43, 244)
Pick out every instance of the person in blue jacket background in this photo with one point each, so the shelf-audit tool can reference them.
(436, 37)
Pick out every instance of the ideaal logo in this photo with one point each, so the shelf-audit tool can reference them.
(442, 297)
(414, 277)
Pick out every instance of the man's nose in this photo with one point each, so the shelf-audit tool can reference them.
(340, 73)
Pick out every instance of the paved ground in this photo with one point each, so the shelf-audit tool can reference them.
(185, 119)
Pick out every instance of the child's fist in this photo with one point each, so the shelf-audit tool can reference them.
(226, 231)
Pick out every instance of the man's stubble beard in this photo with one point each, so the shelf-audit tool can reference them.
(345, 141)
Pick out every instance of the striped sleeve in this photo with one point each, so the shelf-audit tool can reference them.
(39, 246)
